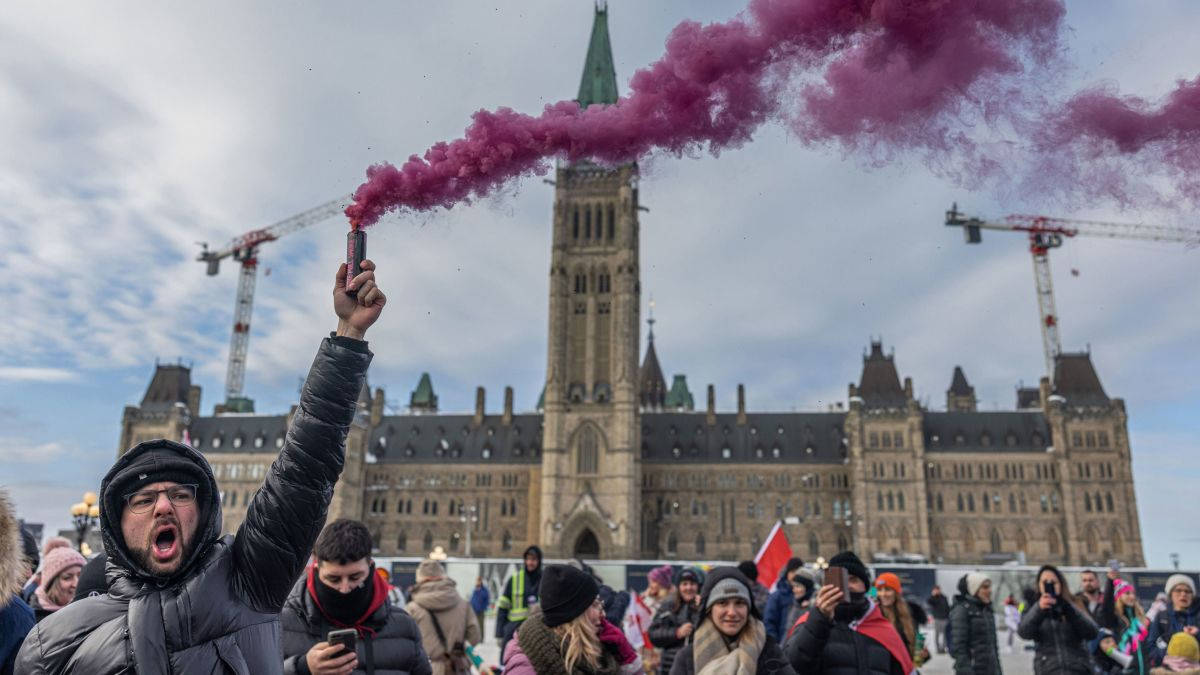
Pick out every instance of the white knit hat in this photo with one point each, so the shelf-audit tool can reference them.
(1177, 579)
(974, 581)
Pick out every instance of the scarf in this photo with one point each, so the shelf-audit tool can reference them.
(44, 601)
(715, 654)
(348, 610)
(543, 647)
(873, 625)
(1134, 635)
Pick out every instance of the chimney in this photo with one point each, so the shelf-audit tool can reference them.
(711, 418)
(508, 402)
(741, 418)
(479, 398)
(908, 389)
(377, 403)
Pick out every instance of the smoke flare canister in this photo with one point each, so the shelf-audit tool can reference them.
(356, 250)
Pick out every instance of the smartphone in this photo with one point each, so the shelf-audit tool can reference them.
(346, 637)
(1048, 589)
(838, 578)
(1114, 565)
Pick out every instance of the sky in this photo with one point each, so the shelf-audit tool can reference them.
(131, 132)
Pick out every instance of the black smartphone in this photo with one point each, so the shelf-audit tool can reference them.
(838, 578)
(346, 637)
(1048, 589)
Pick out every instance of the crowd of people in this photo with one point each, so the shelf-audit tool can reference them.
(289, 593)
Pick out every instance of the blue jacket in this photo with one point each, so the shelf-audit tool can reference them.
(479, 600)
(1168, 623)
(779, 604)
(16, 618)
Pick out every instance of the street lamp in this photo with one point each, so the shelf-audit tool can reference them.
(469, 519)
(85, 515)
(1175, 561)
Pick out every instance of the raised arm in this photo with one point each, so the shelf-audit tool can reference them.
(287, 513)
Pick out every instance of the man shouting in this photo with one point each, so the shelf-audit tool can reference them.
(181, 598)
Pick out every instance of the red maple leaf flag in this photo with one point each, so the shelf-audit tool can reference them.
(773, 555)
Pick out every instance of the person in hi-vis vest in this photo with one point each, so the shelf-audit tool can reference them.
(519, 595)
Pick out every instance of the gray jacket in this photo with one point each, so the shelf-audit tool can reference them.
(219, 613)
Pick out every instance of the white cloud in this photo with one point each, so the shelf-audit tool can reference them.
(31, 374)
(23, 451)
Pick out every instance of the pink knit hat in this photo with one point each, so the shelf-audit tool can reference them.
(57, 560)
(1121, 587)
(662, 575)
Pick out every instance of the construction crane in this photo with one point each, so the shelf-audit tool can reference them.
(1047, 233)
(244, 249)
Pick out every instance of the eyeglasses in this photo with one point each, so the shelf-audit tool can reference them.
(144, 500)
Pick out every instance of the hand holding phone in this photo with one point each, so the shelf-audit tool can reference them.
(334, 656)
(839, 579)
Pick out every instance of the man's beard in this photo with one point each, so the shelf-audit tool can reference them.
(145, 559)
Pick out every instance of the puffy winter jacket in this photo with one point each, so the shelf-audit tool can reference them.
(454, 616)
(779, 606)
(1169, 622)
(1059, 636)
(390, 643)
(973, 625)
(220, 612)
(828, 647)
(662, 631)
(770, 661)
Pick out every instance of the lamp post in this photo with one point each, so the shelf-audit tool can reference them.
(469, 519)
(85, 515)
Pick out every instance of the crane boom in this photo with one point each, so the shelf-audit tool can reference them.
(1047, 233)
(244, 249)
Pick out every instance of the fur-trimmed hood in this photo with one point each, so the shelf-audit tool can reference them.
(12, 555)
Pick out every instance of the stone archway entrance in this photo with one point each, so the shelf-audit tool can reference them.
(587, 545)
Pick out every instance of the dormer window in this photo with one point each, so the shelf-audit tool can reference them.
(216, 442)
(237, 441)
(258, 441)
(279, 441)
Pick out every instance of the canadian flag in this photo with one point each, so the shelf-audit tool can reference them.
(636, 621)
(773, 555)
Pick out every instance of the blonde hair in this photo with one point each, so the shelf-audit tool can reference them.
(1120, 608)
(901, 617)
(579, 643)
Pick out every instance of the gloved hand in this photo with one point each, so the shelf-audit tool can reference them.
(609, 634)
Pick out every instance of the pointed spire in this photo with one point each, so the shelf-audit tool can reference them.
(652, 388)
(960, 397)
(423, 399)
(599, 81)
(680, 397)
(879, 383)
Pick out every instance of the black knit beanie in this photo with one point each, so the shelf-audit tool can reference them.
(565, 593)
(152, 466)
(852, 564)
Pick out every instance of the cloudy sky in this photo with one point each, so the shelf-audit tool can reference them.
(133, 131)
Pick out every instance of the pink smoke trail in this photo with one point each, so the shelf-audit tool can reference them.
(1126, 148)
(897, 74)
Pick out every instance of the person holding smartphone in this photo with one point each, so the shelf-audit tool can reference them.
(1059, 625)
(844, 631)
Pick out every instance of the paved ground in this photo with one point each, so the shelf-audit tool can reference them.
(1019, 662)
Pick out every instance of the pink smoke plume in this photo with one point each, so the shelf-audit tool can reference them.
(880, 75)
(1116, 146)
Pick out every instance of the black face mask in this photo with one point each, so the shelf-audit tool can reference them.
(851, 610)
(346, 608)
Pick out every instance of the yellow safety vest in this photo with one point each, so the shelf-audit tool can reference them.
(514, 602)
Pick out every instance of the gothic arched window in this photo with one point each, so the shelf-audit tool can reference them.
(814, 545)
(575, 222)
(402, 541)
(427, 541)
(587, 459)
(612, 223)
(672, 543)
(995, 541)
(699, 543)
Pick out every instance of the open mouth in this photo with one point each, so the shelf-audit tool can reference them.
(166, 543)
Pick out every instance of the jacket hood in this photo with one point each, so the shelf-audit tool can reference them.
(535, 551)
(436, 595)
(208, 530)
(12, 555)
(720, 574)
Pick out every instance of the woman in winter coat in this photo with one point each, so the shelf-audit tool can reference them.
(567, 634)
(802, 597)
(1122, 614)
(973, 628)
(1059, 625)
(677, 618)
(60, 575)
(731, 638)
(445, 620)
(778, 610)
(896, 610)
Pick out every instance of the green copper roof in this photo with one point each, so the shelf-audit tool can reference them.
(679, 397)
(599, 82)
(423, 396)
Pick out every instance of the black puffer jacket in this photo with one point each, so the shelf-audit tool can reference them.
(220, 612)
(394, 648)
(662, 631)
(821, 645)
(973, 637)
(770, 661)
(1059, 634)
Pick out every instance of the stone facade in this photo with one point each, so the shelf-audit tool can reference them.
(612, 465)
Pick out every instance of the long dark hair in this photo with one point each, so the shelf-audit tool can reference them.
(1064, 590)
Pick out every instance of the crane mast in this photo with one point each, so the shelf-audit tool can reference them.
(1046, 233)
(244, 249)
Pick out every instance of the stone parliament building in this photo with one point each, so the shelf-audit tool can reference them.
(617, 464)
